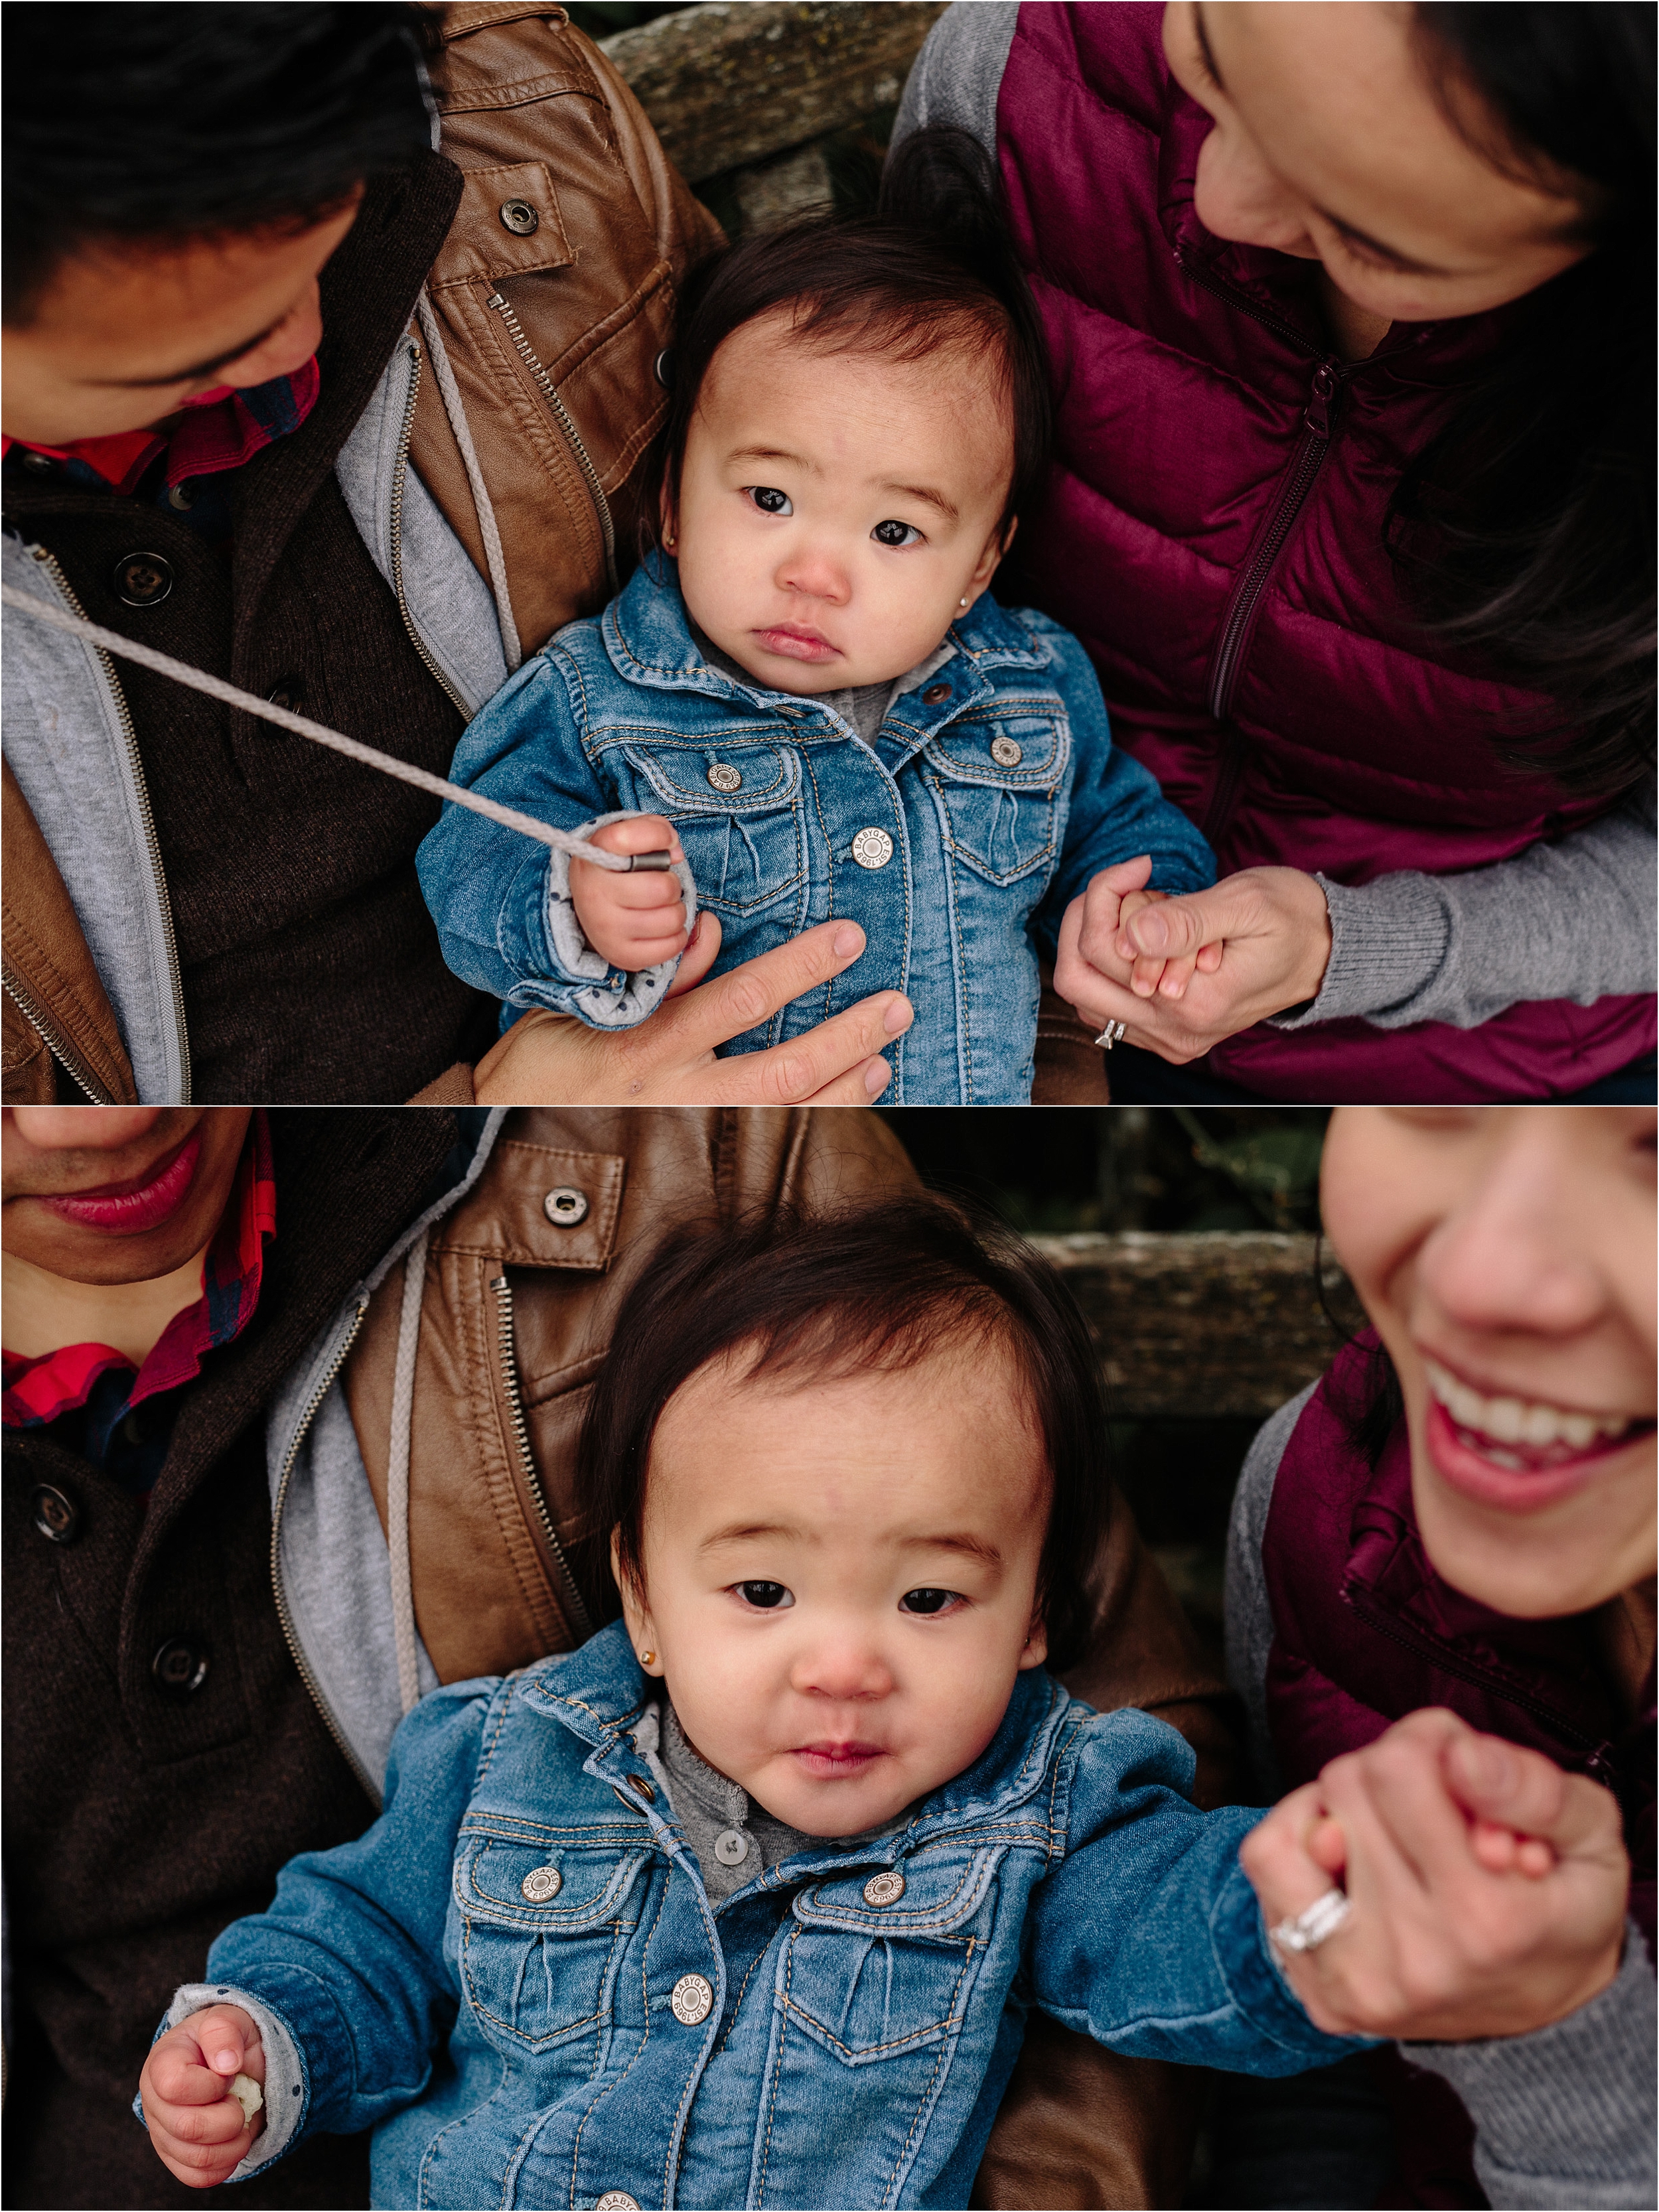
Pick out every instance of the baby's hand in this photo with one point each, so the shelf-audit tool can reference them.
(632, 921)
(1498, 1850)
(1112, 897)
(196, 2125)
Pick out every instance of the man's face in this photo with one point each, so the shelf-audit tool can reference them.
(127, 332)
(115, 1193)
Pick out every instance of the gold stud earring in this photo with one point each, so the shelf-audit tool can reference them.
(646, 1658)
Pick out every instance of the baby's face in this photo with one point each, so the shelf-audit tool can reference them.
(840, 1579)
(836, 508)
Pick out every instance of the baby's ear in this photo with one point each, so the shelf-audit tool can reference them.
(1037, 1644)
(633, 1593)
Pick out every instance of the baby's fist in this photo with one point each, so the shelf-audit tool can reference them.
(197, 2124)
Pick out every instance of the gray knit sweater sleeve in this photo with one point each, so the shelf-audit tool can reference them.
(1573, 918)
(1563, 2116)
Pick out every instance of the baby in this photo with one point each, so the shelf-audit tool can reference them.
(747, 1900)
(805, 698)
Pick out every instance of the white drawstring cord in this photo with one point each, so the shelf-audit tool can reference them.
(496, 560)
(397, 1479)
(300, 726)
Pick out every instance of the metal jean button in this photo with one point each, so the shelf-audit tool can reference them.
(724, 777)
(1006, 753)
(616, 2200)
(884, 1888)
(692, 2000)
(872, 848)
(142, 579)
(936, 695)
(540, 1884)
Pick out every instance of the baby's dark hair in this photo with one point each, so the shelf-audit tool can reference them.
(933, 267)
(878, 1289)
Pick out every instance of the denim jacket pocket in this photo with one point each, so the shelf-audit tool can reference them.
(996, 778)
(872, 1982)
(745, 840)
(537, 1968)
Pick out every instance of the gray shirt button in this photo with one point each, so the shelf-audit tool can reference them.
(731, 1847)
(872, 848)
(692, 2001)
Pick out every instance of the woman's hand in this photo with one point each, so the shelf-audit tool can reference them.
(1274, 937)
(1441, 1945)
(552, 1060)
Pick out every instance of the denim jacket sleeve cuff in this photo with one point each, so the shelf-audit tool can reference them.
(285, 2087)
(1258, 1985)
(586, 984)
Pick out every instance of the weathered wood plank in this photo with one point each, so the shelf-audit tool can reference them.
(734, 81)
(1203, 1325)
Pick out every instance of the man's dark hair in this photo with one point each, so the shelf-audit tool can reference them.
(934, 267)
(141, 121)
(878, 1290)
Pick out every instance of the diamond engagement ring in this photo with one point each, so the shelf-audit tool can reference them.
(1309, 1930)
(1111, 1034)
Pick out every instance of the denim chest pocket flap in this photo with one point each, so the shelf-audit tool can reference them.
(736, 804)
(874, 1980)
(544, 1923)
(997, 775)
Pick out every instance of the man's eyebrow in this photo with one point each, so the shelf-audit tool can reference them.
(929, 496)
(201, 368)
(1205, 47)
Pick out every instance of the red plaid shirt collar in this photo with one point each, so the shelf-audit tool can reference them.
(220, 430)
(57, 1382)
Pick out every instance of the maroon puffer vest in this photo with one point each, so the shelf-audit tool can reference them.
(1364, 1631)
(1213, 533)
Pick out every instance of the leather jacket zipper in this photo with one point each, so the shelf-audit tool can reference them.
(152, 844)
(399, 476)
(1597, 1757)
(569, 1597)
(567, 424)
(285, 1617)
(57, 1043)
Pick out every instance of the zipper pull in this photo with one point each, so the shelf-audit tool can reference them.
(1320, 399)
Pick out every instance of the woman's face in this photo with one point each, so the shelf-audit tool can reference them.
(1506, 1257)
(1330, 143)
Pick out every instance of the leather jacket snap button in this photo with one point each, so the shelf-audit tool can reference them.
(540, 1884)
(142, 579)
(566, 1207)
(692, 2001)
(180, 1666)
(519, 217)
(724, 777)
(884, 1888)
(936, 695)
(56, 1517)
(872, 848)
(1005, 753)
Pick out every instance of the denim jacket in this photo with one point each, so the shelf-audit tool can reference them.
(519, 1979)
(989, 797)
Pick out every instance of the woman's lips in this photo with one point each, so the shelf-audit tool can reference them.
(128, 1209)
(1513, 1478)
(798, 644)
(831, 1762)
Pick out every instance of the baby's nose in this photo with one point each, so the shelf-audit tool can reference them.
(816, 575)
(851, 1672)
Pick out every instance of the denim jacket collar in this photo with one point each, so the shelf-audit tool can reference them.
(649, 639)
(599, 1692)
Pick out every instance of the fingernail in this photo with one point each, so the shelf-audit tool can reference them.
(849, 938)
(1152, 932)
(1492, 1766)
(898, 1017)
(876, 1076)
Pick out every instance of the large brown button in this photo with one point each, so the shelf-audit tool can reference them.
(143, 579)
(286, 691)
(519, 217)
(180, 1666)
(56, 1517)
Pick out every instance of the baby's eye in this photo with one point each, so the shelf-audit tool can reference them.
(767, 1597)
(927, 1601)
(769, 499)
(896, 533)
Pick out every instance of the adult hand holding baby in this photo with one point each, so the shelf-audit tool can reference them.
(1462, 1925)
(1182, 973)
(197, 2125)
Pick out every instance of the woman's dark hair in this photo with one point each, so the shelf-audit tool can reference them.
(143, 121)
(881, 1289)
(933, 267)
(1525, 532)
(1370, 1405)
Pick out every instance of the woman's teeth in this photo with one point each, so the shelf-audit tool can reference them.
(1527, 1422)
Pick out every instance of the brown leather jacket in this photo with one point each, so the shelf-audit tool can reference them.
(516, 1317)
